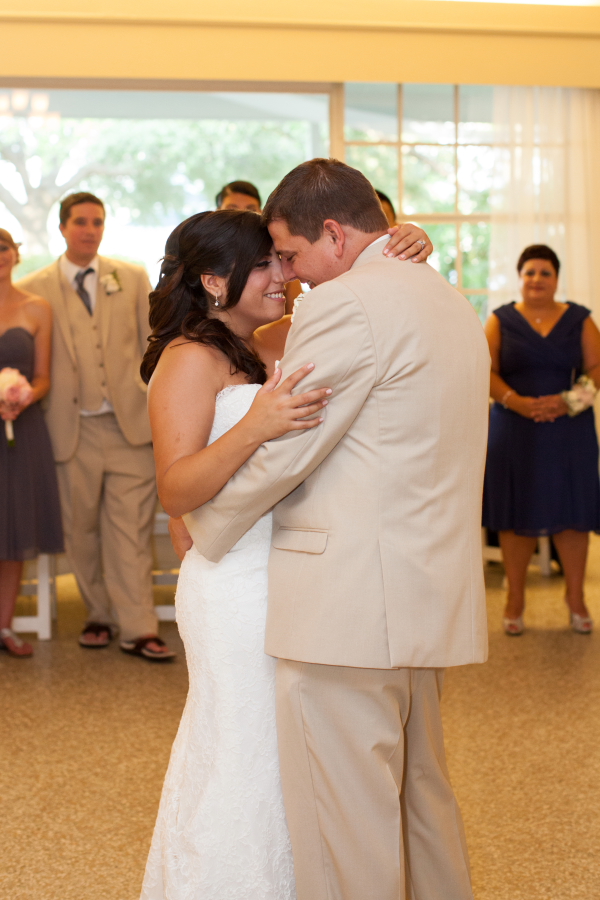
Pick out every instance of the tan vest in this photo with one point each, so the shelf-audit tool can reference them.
(86, 330)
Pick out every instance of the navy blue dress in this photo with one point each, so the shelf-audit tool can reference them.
(541, 477)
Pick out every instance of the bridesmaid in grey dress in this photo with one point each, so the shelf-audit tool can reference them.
(30, 520)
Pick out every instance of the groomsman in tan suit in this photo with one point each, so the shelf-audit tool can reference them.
(96, 414)
(375, 576)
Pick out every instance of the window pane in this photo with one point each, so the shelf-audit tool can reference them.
(371, 112)
(475, 249)
(476, 106)
(475, 173)
(429, 179)
(380, 165)
(428, 113)
(156, 157)
(443, 257)
(479, 302)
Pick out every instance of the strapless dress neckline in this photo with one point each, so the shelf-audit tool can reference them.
(228, 389)
(17, 328)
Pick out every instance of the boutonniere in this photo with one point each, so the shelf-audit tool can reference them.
(111, 283)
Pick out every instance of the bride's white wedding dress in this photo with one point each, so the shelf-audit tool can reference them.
(221, 832)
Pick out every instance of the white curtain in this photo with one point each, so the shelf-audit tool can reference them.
(547, 188)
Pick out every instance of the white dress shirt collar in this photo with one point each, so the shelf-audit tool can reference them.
(384, 237)
(70, 269)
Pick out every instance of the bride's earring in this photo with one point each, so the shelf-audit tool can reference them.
(217, 303)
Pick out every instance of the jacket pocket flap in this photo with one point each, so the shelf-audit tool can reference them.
(302, 540)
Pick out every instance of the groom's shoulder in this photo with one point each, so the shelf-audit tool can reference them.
(379, 277)
(387, 277)
(330, 305)
(397, 271)
(336, 291)
(413, 293)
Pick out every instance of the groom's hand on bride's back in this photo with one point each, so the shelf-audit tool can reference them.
(408, 241)
(180, 537)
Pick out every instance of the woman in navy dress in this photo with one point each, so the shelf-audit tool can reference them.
(30, 521)
(542, 467)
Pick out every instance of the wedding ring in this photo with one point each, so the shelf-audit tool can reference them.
(422, 243)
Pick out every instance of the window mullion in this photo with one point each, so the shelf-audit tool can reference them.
(459, 278)
(400, 155)
(337, 122)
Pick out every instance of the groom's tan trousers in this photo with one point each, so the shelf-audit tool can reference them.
(371, 811)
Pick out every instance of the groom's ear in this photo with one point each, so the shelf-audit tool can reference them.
(335, 235)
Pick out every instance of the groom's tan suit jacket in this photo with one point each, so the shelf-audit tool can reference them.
(121, 320)
(376, 549)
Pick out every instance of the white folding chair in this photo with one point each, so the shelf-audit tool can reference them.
(541, 558)
(166, 570)
(41, 583)
(43, 588)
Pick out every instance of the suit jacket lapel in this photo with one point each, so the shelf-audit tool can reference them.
(106, 300)
(58, 287)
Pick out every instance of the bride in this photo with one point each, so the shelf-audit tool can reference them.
(221, 832)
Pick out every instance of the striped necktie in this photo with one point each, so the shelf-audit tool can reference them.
(79, 279)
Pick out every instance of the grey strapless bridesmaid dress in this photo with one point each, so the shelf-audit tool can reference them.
(30, 520)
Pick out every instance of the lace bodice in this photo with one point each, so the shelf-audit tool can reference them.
(232, 404)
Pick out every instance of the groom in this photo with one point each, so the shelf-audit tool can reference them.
(375, 571)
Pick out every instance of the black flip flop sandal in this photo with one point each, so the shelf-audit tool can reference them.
(97, 629)
(140, 648)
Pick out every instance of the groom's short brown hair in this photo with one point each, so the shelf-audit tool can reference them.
(325, 189)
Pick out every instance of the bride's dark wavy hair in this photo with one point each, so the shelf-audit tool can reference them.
(228, 243)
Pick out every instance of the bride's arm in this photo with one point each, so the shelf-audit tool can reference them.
(181, 403)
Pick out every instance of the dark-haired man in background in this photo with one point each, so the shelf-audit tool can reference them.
(239, 195)
(388, 207)
(98, 422)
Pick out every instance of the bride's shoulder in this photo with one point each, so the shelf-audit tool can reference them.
(181, 351)
(189, 363)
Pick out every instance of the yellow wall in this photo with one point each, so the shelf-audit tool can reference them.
(275, 40)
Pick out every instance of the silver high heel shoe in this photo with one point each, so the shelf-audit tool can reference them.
(581, 624)
(513, 627)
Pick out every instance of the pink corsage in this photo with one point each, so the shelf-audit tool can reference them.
(581, 396)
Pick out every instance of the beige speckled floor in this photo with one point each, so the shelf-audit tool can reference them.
(85, 739)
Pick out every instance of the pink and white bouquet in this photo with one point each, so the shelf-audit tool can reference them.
(15, 393)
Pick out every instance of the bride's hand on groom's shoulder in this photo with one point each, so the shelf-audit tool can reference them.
(408, 241)
(276, 410)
